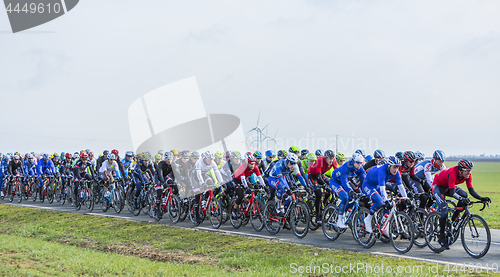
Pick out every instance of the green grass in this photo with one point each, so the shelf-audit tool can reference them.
(486, 181)
(41, 242)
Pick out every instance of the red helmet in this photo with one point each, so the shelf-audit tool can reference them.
(114, 151)
(91, 153)
(68, 155)
(250, 158)
(84, 155)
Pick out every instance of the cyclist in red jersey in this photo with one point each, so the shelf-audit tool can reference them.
(315, 174)
(444, 184)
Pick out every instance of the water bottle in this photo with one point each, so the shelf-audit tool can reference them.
(82, 193)
(203, 203)
(164, 202)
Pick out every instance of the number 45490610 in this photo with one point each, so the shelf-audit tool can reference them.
(34, 8)
(471, 268)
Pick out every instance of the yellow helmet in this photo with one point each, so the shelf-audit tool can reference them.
(176, 153)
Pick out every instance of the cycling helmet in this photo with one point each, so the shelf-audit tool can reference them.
(292, 158)
(358, 158)
(62, 154)
(76, 156)
(257, 154)
(270, 153)
(368, 158)
(158, 157)
(235, 155)
(45, 156)
(361, 151)
(87, 151)
(382, 161)
(145, 156)
(340, 156)
(329, 154)
(68, 155)
(169, 155)
(379, 154)
(311, 157)
(16, 157)
(282, 153)
(114, 151)
(129, 154)
(160, 152)
(16, 153)
(394, 161)
(399, 155)
(294, 149)
(439, 155)
(176, 153)
(195, 154)
(304, 152)
(465, 165)
(111, 156)
(318, 153)
(91, 154)
(85, 155)
(207, 155)
(56, 155)
(184, 154)
(219, 155)
(419, 155)
(409, 156)
(30, 156)
(105, 152)
(250, 158)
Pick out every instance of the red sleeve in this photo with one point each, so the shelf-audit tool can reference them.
(452, 179)
(335, 165)
(469, 181)
(314, 166)
(256, 170)
(240, 171)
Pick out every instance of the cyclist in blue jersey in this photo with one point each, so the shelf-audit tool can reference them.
(44, 166)
(2, 170)
(30, 169)
(127, 162)
(270, 155)
(339, 183)
(423, 173)
(277, 181)
(374, 186)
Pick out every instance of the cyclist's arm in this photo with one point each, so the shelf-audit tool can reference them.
(401, 187)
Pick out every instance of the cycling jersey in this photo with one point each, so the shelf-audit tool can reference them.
(345, 172)
(228, 170)
(141, 169)
(126, 165)
(244, 172)
(369, 164)
(426, 170)
(450, 177)
(378, 176)
(30, 168)
(65, 168)
(112, 168)
(281, 169)
(202, 168)
(14, 168)
(164, 172)
(80, 170)
(320, 166)
(45, 166)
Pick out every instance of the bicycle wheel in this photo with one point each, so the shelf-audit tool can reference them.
(215, 213)
(104, 203)
(431, 229)
(19, 193)
(312, 212)
(133, 206)
(418, 218)
(361, 236)
(146, 200)
(174, 208)
(257, 214)
(299, 219)
(240, 216)
(401, 232)
(89, 199)
(329, 222)
(184, 204)
(476, 237)
(117, 200)
(50, 193)
(10, 192)
(193, 214)
(34, 191)
(272, 221)
(57, 191)
(156, 212)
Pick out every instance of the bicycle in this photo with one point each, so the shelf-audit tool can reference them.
(143, 202)
(84, 196)
(473, 230)
(251, 209)
(16, 185)
(65, 188)
(397, 228)
(170, 204)
(328, 197)
(296, 213)
(208, 204)
(112, 197)
(331, 213)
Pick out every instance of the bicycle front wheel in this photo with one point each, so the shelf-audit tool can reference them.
(361, 236)
(401, 232)
(89, 199)
(431, 230)
(329, 220)
(257, 214)
(174, 208)
(476, 237)
(299, 219)
(215, 213)
(418, 218)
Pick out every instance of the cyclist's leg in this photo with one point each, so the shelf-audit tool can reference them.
(317, 194)
(341, 193)
(459, 192)
(440, 194)
(373, 194)
(417, 188)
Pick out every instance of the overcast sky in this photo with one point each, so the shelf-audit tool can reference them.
(417, 75)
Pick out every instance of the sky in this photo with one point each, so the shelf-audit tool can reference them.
(394, 75)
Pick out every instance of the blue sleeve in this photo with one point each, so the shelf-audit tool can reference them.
(343, 178)
(381, 176)
(51, 164)
(278, 169)
(302, 181)
(361, 174)
(39, 168)
(398, 179)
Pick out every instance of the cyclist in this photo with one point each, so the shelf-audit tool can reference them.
(1, 174)
(340, 158)
(399, 155)
(56, 160)
(157, 161)
(423, 172)
(30, 169)
(181, 173)
(102, 158)
(270, 155)
(303, 154)
(361, 152)
(16, 166)
(445, 184)
(281, 155)
(258, 161)
(318, 153)
(92, 161)
(374, 186)
(142, 174)
(44, 166)
(121, 168)
(165, 178)
(229, 167)
(80, 171)
(310, 159)
(245, 170)
(378, 155)
(66, 170)
(277, 181)
(339, 183)
(315, 176)
(109, 170)
(219, 159)
(420, 156)
(127, 162)
(176, 153)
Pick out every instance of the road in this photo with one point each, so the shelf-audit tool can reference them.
(455, 256)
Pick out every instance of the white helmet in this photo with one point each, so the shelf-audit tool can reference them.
(358, 158)
(292, 158)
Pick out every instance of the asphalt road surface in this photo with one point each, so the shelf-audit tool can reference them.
(455, 256)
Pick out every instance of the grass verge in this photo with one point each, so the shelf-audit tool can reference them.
(41, 242)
